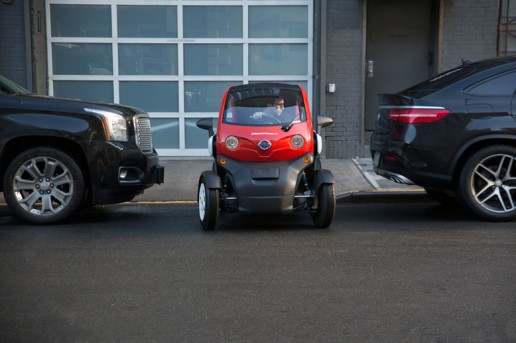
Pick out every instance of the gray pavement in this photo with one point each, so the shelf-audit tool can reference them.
(354, 178)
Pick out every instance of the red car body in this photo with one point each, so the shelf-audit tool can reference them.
(266, 152)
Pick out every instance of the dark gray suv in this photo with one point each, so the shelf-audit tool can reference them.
(58, 155)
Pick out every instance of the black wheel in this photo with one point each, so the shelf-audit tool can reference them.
(43, 185)
(208, 201)
(323, 216)
(487, 183)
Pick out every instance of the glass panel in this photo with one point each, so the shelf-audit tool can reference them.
(165, 133)
(82, 59)
(147, 59)
(278, 59)
(500, 86)
(205, 96)
(303, 84)
(213, 59)
(89, 90)
(195, 138)
(80, 21)
(278, 21)
(147, 21)
(212, 21)
(152, 96)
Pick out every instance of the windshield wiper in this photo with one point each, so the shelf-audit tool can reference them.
(288, 126)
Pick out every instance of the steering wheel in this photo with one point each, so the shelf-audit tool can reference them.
(268, 120)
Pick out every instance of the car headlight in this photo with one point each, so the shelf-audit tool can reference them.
(232, 142)
(297, 141)
(115, 125)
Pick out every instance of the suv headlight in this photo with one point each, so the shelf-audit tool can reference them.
(115, 125)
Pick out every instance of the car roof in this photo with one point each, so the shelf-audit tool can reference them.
(262, 89)
(467, 71)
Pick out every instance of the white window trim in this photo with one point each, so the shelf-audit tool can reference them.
(180, 78)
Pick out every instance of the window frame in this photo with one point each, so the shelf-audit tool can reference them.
(181, 78)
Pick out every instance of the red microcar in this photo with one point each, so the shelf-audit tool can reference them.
(267, 156)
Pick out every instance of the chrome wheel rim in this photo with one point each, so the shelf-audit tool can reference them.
(493, 183)
(202, 201)
(43, 186)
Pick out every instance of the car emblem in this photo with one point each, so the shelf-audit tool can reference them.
(264, 144)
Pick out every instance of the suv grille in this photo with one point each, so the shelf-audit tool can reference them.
(142, 128)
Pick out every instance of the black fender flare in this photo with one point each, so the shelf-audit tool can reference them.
(211, 179)
(322, 176)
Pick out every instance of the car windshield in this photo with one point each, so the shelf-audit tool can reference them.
(8, 87)
(264, 106)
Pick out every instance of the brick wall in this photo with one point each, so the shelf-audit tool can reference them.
(470, 31)
(13, 63)
(344, 68)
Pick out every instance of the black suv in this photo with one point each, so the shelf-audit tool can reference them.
(58, 155)
(455, 135)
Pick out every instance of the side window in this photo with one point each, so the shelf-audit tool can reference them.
(500, 85)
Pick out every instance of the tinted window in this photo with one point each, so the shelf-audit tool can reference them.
(500, 85)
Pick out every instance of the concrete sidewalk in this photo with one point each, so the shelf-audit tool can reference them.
(354, 178)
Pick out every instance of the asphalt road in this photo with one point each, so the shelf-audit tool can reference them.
(391, 272)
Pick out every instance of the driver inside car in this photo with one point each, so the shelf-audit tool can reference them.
(274, 110)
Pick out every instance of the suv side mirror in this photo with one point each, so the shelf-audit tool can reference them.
(206, 124)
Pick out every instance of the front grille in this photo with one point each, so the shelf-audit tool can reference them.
(142, 128)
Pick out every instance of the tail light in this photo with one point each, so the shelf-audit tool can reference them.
(417, 115)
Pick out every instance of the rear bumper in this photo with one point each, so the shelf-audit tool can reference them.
(393, 167)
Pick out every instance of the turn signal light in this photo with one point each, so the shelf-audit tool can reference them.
(417, 114)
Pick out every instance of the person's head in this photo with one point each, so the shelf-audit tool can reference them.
(279, 106)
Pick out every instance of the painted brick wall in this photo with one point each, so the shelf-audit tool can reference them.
(12, 42)
(470, 31)
(344, 68)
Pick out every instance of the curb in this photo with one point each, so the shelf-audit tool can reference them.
(383, 196)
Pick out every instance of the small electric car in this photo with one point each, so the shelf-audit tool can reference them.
(267, 156)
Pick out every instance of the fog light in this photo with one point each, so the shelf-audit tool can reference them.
(123, 173)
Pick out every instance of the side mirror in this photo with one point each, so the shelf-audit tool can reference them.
(323, 121)
(206, 124)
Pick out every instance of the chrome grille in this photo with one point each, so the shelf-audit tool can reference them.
(142, 128)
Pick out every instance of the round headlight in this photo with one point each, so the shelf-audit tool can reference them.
(297, 141)
(232, 142)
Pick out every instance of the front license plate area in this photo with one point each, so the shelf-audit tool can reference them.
(265, 173)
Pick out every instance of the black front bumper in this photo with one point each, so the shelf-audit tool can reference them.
(264, 187)
(119, 173)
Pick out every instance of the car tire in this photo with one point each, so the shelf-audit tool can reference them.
(208, 203)
(323, 216)
(487, 183)
(43, 185)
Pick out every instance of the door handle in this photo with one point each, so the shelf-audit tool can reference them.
(370, 68)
